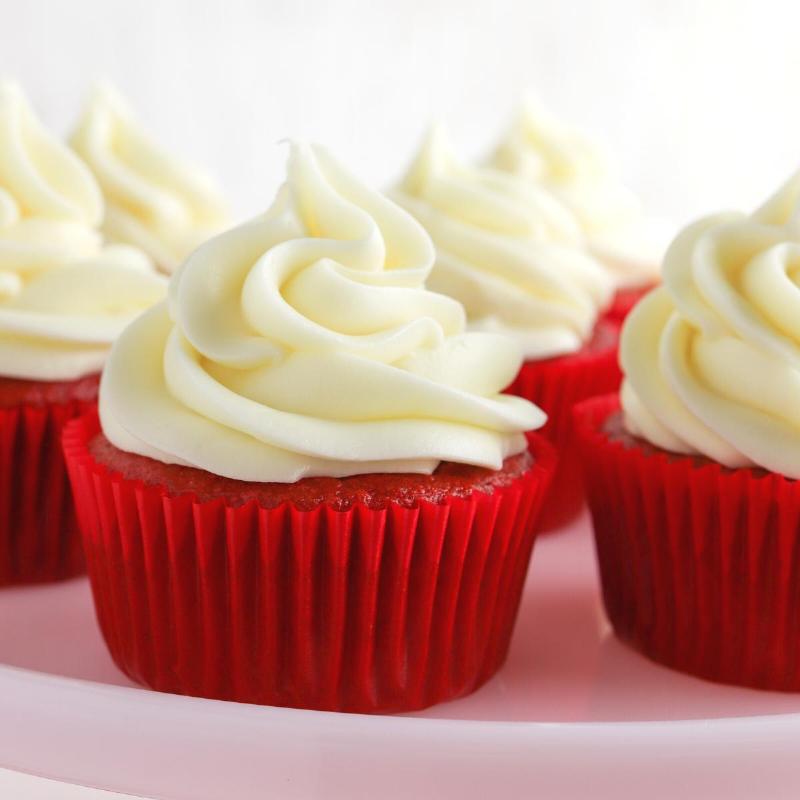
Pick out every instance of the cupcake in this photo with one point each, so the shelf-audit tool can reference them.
(692, 472)
(63, 299)
(305, 487)
(513, 256)
(548, 152)
(155, 202)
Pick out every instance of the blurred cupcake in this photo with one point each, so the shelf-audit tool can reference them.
(306, 471)
(546, 151)
(158, 203)
(512, 255)
(63, 299)
(693, 481)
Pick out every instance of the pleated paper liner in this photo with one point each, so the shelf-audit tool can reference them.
(556, 385)
(700, 564)
(39, 538)
(623, 302)
(360, 610)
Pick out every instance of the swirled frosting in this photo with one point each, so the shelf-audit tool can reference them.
(63, 298)
(49, 203)
(507, 250)
(543, 149)
(305, 343)
(712, 359)
(153, 201)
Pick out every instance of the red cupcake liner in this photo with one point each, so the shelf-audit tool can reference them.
(39, 537)
(623, 302)
(700, 564)
(360, 610)
(556, 385)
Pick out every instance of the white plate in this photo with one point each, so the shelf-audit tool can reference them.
(573, 714)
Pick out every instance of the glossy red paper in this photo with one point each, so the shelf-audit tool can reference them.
(700, 564)
(556, 385)
(360, 610)
(39, 539)
(623, 302)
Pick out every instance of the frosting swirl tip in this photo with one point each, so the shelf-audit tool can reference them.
(547, 151)
(159, 203)
(64, 297)
(507, 249)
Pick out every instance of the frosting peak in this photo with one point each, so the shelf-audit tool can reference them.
(712, 360)
(507, 249)
(543, 149)
(304, 342)
(49, 202)
(153, 201)
(39, 175)
(63, 298)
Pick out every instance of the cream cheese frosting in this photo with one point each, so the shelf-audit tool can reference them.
(545, 150)
(156, 202)
(712, 359)
(509, 251)
(304, 343)
(50, 205)
(63, 296)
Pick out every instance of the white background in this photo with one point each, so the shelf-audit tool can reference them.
(700, 101)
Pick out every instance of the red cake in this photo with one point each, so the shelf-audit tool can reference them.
(17, 391)
(614, 428)
(374, 491)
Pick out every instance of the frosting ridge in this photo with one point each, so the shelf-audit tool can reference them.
(49, 202)
(507, 249)
(712, 359)
(63, 297)
(545, 150)
(304, 343)
(153, 201)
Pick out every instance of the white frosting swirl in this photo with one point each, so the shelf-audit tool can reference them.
(545, 150)
(49, 202)
(507, 250)
(712, 360)
(304, 343)
(63, 299)
(61, 323)
(153, 201)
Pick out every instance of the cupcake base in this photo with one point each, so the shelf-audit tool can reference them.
(555, 385)
(700, 564)
(368, 605)
(39, 539)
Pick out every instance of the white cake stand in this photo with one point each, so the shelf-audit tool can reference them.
(573, 714)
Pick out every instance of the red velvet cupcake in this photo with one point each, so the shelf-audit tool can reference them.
(692, 475)
(698, 562)
(56, 325)
(515, 257)
(315, 494)
(365, 593)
